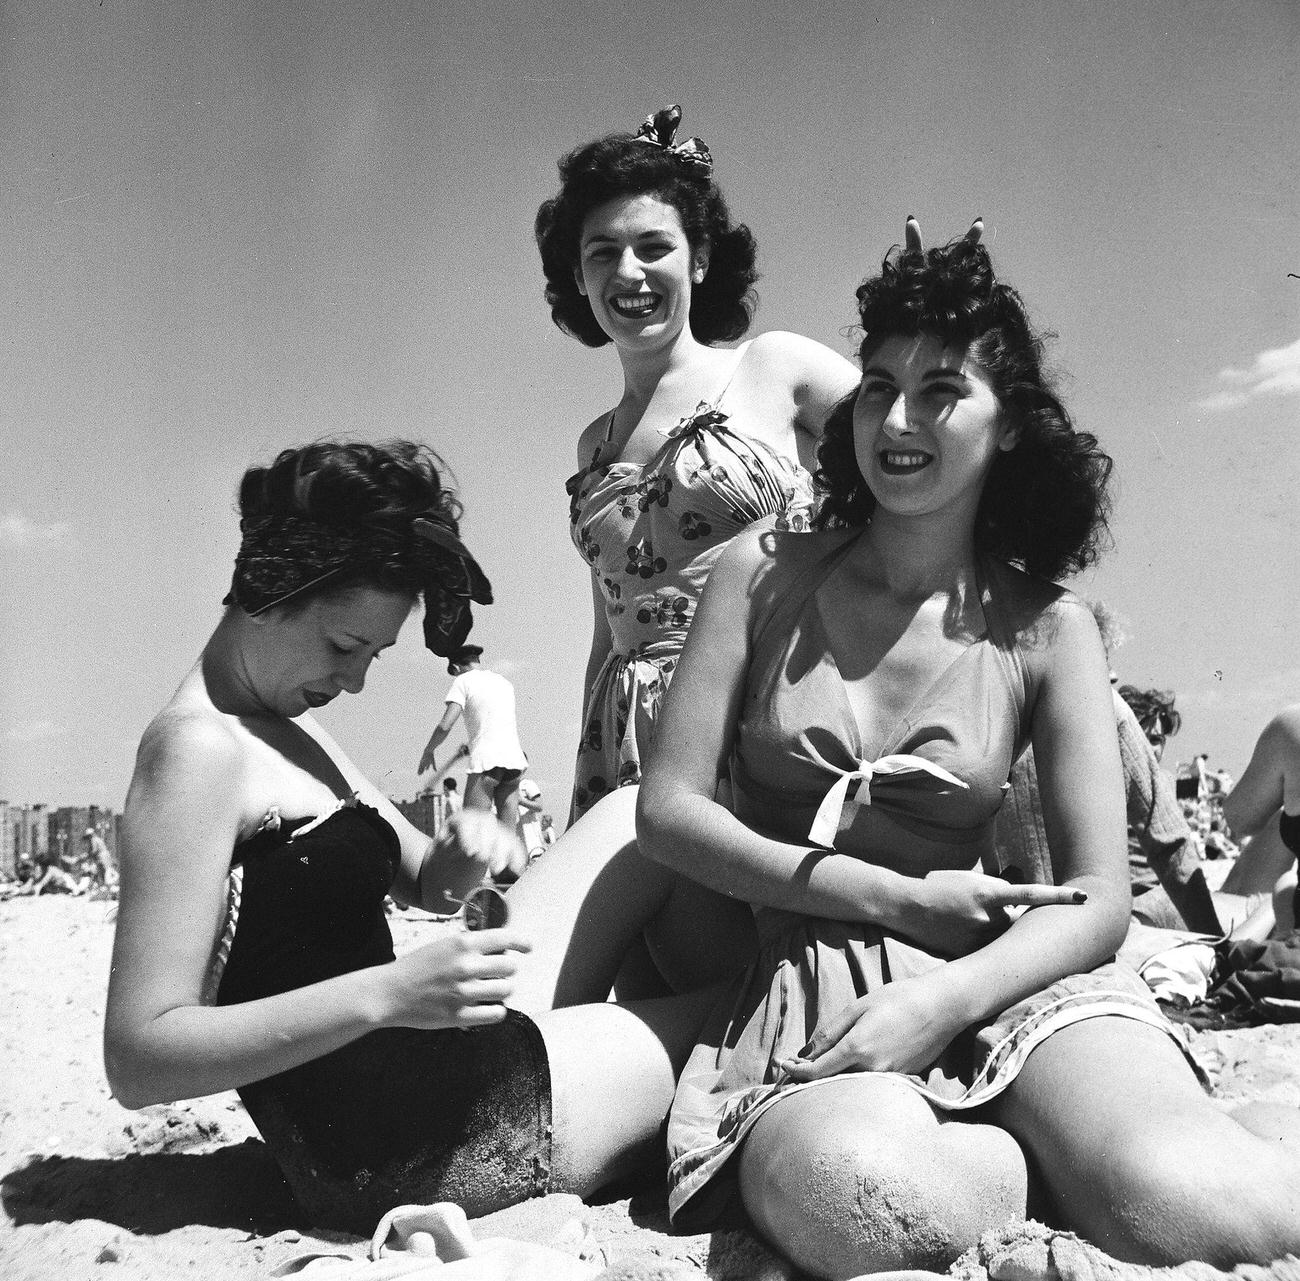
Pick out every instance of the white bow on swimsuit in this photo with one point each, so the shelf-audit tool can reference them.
(830, 812)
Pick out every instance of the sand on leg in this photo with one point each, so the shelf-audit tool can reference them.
(861, 1174)
(1139, 1159)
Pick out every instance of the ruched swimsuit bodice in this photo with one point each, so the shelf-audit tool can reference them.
(652, 533)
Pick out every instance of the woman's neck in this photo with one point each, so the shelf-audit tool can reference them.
(224, 671)
(914, 557)
(646, 370)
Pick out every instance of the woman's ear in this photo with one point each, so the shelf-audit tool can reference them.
(577, 280)
(701, 267)
(1010, 438)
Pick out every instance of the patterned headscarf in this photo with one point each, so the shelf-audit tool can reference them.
(285, 555)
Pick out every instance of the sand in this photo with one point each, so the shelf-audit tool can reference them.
(188, 1190)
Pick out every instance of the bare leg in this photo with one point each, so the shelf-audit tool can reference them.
(1263, 859)
(613, 1072)
(591, 897)
(864, 1176)
(505, 800)
(479, 792)
(1140, 1160)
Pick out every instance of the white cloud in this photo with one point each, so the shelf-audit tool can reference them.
(18, 531)
(1275, 373)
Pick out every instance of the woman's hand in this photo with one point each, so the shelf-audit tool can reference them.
(460, 980)
(473, 845)
(901, 1027)
(955, 912)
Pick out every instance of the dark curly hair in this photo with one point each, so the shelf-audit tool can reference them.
(722, 305)
(1154, 709)
(1045, 503)
(349, 504)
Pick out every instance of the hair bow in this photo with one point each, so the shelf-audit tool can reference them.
(660, 129)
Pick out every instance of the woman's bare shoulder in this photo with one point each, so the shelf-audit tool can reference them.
(187, 740)
(775, 559)
(1039, 613)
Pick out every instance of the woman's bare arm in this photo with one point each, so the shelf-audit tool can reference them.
(182, 820)
(903, 1026)
(680, 824)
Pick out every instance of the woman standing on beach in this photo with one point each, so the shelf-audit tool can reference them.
(866, 1089)
(252, 950)
(639, 250)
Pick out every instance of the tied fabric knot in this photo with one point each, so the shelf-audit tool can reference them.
(704, 418)
(660, 129)
(830, 813)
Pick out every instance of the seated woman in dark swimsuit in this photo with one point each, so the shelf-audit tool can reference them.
(870, 1089)
(252, 950)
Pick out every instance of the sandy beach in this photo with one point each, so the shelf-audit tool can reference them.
(188, 1190)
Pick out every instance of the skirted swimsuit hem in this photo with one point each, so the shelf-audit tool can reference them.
(400, 1115)
(1011, 1037)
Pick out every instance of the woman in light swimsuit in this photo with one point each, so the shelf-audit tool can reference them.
(639, 250)
(906, 1047)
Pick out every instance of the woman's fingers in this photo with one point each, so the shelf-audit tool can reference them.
(835, 1060)
(479, 1015)
(486, 991)
(497, 942)
(1037, 895)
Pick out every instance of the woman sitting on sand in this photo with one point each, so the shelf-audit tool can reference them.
(252, 950)
(868, 1086)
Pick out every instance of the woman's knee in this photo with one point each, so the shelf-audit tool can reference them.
(844, 1193)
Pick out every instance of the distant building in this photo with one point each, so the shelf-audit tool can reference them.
(24, 834)
(422, 812)
(32, 831)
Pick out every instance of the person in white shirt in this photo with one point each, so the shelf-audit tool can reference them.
(496, 759)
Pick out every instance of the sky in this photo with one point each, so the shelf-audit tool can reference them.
(230, 227)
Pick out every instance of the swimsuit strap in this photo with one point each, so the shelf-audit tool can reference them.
(738, 354)
(1003, 637)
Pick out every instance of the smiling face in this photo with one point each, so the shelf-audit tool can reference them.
(309, 656)
(927, 426)
(637, 269)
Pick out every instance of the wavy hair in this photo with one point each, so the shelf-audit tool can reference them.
(722, 305)
(1045, 504)
(351, 502)
(1154, 709)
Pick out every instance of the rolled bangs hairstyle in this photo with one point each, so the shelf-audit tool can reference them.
(364, 495)
(1045, 502)
(722, 305)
